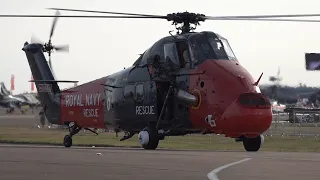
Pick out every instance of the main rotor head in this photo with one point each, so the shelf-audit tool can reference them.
(186, 19)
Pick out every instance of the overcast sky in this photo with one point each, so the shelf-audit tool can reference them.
(99, 47)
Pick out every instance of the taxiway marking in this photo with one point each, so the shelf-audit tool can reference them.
(213, 174)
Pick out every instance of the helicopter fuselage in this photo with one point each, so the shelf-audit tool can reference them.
(228, 101)
(189, 83)
(185, 83)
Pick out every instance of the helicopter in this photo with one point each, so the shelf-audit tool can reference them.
(185, 83)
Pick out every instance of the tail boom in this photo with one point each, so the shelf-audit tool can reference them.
(47, 87)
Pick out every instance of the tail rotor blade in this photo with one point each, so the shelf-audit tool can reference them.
(54, 24)
(35, 39)
(62, 48)
(50, 64)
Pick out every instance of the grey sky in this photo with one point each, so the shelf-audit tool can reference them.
(99, 47)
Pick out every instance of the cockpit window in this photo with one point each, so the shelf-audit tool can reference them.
(228, 49)
(209, 47)
(218, 48)
(201, 48)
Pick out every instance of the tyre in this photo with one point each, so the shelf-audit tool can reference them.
(253, 144)
(148, 138)
(67, 141)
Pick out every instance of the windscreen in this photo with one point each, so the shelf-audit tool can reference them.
(205, 46)
(228, 49)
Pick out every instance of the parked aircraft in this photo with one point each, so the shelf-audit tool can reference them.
(9, 101)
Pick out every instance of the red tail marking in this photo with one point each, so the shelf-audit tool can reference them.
(32, 84)
(12, 82)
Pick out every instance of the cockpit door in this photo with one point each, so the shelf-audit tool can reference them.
(183, 52)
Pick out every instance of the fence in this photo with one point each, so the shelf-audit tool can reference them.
(301, 125)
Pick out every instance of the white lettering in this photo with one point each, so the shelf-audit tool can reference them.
(79, 98)
(88, 99)
(45, 88)
(67, 100)
(90, 113)
(91, 99)
(142, 110)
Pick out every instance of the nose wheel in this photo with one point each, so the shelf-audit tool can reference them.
(253, 144)
(149, 138)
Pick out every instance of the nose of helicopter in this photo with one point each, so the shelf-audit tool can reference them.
(234, 100)
(246, 120)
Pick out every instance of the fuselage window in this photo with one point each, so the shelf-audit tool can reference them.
(129, 91)
(139, 91)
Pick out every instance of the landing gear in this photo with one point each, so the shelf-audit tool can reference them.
(67, 141)
(148, 138)
(73, 130)
(253, 144)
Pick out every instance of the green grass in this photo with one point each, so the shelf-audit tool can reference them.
(197, 142)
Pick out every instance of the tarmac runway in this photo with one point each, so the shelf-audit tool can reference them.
(51, 163)
(46, 163)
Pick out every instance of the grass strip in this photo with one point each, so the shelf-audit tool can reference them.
(24, 135)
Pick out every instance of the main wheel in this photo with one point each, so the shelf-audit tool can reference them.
(67, 141)
(148, 138)
(253, 144)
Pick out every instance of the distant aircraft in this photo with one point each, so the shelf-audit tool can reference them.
(10, 102)
(277, 107)
(15, 101)
(3, 89)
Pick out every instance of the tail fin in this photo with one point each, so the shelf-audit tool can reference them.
(47, 87)
(4, 90)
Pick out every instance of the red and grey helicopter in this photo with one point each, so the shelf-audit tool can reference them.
(190, 82)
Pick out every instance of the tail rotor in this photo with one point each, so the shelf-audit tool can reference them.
(48, 47)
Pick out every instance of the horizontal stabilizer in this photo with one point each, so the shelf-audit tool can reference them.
(69, 91)
(57, 81)
(110, 86)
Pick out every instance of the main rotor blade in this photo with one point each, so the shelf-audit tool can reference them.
(249, 16)
(258, 19)
(73, 16)
(54, 24)
(106, 12)
(266, 16)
